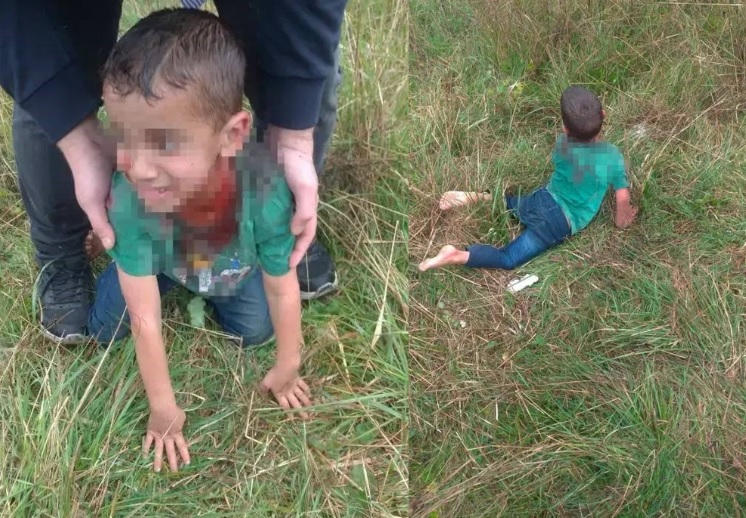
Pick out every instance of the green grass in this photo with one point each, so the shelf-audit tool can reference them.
(612, 387)
(615, 385)
(71, 420)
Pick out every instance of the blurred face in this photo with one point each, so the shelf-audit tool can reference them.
(165, 150)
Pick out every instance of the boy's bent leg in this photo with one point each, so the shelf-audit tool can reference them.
(245, 315)
(527, 208)
(109, 319)
(511, 205)
(516, 253)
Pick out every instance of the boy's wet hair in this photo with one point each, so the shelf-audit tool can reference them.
(582, 113)
(183, 49)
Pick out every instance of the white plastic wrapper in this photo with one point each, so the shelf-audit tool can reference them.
(517, 285)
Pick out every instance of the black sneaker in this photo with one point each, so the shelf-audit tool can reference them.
(316, 273)
(64, 295)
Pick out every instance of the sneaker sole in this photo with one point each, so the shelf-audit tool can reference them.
(73, 339)
(324, 290)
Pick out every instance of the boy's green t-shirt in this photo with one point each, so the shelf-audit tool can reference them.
(148, 244)
(583, 172)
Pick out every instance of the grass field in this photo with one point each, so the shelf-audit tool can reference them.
(71, 420)
(615, 385)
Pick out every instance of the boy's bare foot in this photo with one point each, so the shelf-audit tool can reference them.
(453, 199)
(93, 246)
(447, 255)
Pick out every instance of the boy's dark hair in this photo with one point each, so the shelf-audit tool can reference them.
(183, 48)
(582, 113)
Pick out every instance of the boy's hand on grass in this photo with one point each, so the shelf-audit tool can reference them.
(287, 387)
(625, 212)
(164, 431)
(626, 216)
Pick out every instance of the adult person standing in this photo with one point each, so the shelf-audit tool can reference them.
(50, 55)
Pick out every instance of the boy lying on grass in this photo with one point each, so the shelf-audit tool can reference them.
(584, 167)
(193, 204)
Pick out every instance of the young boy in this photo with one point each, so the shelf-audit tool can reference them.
(193, 204)
(584, 167)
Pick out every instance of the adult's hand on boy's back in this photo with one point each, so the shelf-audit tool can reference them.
(165, 433)
(91, 159)
(295, 153)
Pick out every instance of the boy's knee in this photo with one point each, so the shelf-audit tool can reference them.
(107, 332)
(107, 335)
(255, 338)
(254, 334)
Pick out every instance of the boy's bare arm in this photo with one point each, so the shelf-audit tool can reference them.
(283, 297)
(166, 419)
(144, 305)
(283, 380)
(625, 212)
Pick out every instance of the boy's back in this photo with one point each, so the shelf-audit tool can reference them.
(583, 172)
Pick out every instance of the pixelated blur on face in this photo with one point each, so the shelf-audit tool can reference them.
(165, 152)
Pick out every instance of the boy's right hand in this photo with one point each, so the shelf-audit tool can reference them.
(164, 430)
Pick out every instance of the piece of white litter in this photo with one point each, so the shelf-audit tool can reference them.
(517, 285)
(640, 130)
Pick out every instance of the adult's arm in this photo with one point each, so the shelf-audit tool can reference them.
(296, 41)
(38, 68)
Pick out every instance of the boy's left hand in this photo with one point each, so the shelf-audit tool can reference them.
(626, 216)
(287, 387)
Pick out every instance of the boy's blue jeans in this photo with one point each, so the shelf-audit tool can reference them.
(245, 315)
(546, 226)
